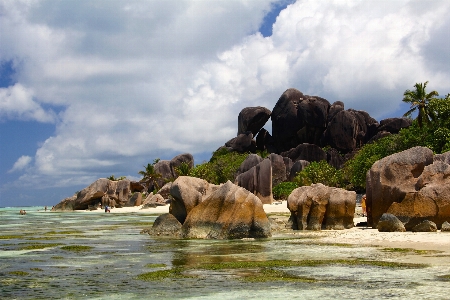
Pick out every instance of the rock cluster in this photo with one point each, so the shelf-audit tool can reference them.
(412, 185)
(299, 119)
(319, 207)
(125, 193)
(203, 210)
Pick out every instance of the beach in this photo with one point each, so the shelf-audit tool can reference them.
(358, 235)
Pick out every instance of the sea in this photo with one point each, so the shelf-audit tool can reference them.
(78, 255)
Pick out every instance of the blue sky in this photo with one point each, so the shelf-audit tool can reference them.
(94, 88)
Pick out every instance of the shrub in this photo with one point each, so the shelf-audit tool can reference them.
(319, 172)
(222, 167)
(283, 189)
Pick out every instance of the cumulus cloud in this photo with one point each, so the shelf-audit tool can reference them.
(16, 102)
(21, 163)
(147, 79)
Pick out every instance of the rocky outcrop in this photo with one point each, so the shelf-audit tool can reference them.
(258, 180)
(394, 125)
(410, 186)
(298, 118)
(135, 200)
(390, 223)
(308, 152)
(154, 201)
(265, 142)
(319, 207)
(252, 119)
(188, 192)
(242, 143)
(250, 161)
(230, 212)
(105, 191)
(279, 172)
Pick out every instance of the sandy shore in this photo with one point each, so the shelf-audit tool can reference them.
(358, 235)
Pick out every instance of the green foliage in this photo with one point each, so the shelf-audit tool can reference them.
(183, 169)
(319, 172)
(222, 167)
(113, 178)
(283, 189)
(150, 175)
(419, 100)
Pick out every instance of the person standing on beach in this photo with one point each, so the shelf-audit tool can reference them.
(363, 205)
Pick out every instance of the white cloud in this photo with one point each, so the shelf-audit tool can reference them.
(21, 163)
(16, 102)
(147, 79)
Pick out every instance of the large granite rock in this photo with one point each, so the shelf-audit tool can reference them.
(135, 200)
(298, 118)
(258, 180)
(319, 207)
(394, 125)
(105, 191)
(163, 168)
(265, 141)
(279, 172)
(230, 212)
(242, 143)
(410, 186)
(348, 130)
(187, 192)
(252, 119)
(445, 227)
(308, 152)
(250, 161)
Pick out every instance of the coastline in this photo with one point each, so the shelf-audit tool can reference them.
(436, 241)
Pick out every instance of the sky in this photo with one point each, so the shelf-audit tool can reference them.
(94, 88)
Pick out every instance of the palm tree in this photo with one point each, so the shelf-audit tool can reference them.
(419, 99)
(150, 175)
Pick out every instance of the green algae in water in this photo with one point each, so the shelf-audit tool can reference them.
(37, 246)
(57, 257)
(410, 250)
(18, 273)
(65, 232)
(36, 269)
(444, 277)
(77, 248)
(163, 274)
(155, 265)
(11, 237)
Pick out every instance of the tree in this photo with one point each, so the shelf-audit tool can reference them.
(419, 100)
(150, 175)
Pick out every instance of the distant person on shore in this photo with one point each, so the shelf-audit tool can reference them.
(107, 210)
(23, 212)
(363, 205)
(45, 208)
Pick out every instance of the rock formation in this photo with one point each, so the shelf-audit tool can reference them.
(105, 191)
(258, 180)
(319, 207)
(188, 192)
(252, 119)
(410, 185)
(230, 212)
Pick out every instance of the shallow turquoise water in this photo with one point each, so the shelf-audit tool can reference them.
(35, 265)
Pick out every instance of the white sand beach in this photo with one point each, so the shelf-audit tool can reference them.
(357, 235)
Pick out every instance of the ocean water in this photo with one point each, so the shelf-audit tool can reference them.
(53, 255)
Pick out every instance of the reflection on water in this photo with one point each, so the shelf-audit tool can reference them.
(36, 264)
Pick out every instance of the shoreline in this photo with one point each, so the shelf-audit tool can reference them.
(434, 241)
